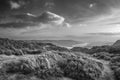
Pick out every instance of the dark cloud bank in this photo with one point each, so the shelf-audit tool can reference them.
(72, 10)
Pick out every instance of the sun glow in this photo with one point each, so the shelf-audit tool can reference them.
(116, 29)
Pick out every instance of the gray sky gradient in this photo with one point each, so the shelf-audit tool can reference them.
(84, 20)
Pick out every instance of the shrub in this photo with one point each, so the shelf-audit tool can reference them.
(115, 66)
(80, 49)
(103, 56)
(81, 69)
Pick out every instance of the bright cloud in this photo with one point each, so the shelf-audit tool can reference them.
(92, 5)
(55, 18)
(14, 5)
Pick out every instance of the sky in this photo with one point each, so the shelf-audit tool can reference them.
(82, 20)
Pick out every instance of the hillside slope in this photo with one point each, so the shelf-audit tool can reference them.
(35, 60)
(53, 66)
(21, 47)
(65, 43)
(117, 44)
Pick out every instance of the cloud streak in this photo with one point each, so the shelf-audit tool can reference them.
(105, 34)
(30, 20)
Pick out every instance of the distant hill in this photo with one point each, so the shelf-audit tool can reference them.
(98, 44)
(73, 43)
(20, 47)
(64, 43)
(116, 44)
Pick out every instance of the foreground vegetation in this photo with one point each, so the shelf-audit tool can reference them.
(52, 66)
(33, 60)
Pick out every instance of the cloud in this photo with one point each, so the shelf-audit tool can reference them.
(52, 18)
(107, 19)
(67, 25)
(31, 20)
(31, 15)
(105, 34)
(17, 24)
(92, 5)
(14, 5)
(49, 4)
